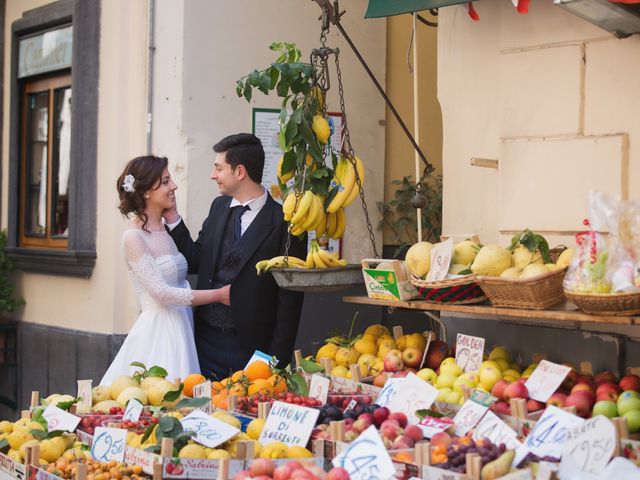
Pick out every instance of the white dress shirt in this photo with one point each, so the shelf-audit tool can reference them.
(255, 205)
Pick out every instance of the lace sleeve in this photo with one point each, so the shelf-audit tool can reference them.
(143, 265)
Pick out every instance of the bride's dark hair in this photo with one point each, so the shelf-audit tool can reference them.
(146, 171)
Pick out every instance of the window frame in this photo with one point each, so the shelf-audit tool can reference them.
(79, 257)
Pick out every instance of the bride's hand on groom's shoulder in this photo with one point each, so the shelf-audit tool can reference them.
(171, 215)
(224, 295)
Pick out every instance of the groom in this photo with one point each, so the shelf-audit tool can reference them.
(244, 225)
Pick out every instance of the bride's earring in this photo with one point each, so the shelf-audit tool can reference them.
(146, 196)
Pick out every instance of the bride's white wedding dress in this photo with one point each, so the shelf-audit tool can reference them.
(163, 332)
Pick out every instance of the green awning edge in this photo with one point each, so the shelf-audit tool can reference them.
(388, 8)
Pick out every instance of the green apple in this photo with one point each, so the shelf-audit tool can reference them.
(442, 394)
(452, 369)
(629, 394)
(489, 376)
(633, 420)
(445, 380)
(453, 397)
(428, 375)
(457, 385)
(606, 408)
(473, 376)
(627, 404)
(448, 361)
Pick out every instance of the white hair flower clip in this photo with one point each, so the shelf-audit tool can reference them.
(127, 185)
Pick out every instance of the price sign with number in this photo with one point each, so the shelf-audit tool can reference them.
(468, 416)
(209, 431)
(549, 434)
(203, 390)
(591, 444)
(366, 458)
(546, 379)
(319, 388)
(493, 428)
(391, 386)
(133, 411)
(58, 419)
(469, 351)
(440, 260)
(414, 394)
(108, 444)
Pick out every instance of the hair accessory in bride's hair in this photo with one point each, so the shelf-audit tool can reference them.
(127, 185)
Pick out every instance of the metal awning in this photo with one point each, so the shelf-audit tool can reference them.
(387, 8)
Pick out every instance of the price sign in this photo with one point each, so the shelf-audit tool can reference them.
(133, 411)
(391, 386)
(430, 425)
(108, 444)
(591, 444)
(352, 404)
(468, 416)
(469, 351)
(203, 390)
(84, 392)
(319, 388)
(58, 419)
(440, 260)
(209, 431)
(289, 423)
(524, 474)
(366, 458)
(414, 394)
(493, 428)
(433, 473)
(546, 379)
(549, 434)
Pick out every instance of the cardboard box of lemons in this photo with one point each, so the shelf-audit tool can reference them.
(192, 450)
(275, 450)
(254, 429)
(299, 452)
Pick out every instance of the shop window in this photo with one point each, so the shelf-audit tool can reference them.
(45, 163)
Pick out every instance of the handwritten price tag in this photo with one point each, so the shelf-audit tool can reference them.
(203, 390)
(549, 434)
(440, 260)
(430, 426)
(414, 394)
(468, 416)
(546, 379)
(209, 431)
(319, 388)
(390, 388)
(469, 351)
(591, 444)
(58, 419)
(84, 392)
(366, 458)
(289, 423)
(133, 411)
(108, 444)
(493, 428)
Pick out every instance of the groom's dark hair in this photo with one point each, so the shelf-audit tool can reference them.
(243, 149)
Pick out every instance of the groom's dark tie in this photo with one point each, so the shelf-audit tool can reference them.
(238, 210)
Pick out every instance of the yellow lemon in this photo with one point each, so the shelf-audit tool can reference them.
(327, 351)
(299, 452)
(320, 127)
(254, 429)
(17, 438)
(363, 346)
(6, 426)
(192, 450)
(386, 338)
(217, 454)
(346, 356)
(339, 371)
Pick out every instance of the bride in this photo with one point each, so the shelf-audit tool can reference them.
(163, 333)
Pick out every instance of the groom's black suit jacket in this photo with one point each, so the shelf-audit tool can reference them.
(265, 316)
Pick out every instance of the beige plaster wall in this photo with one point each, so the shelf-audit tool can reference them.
(553, 99)
(105, 302)
(223, 41)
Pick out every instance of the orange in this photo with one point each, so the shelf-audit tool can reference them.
(225, 382)
(260, 385)
(257, 370)
(191, 381)
(220, 400)
(237, 375)
(216, 387)
(278, 383)
(237, 389)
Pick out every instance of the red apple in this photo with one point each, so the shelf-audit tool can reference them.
(585, 387)
(261, 466)
(380, 414)
(570, 380)
(498, 389)
(605, 377)
(390, 429)
(438, 351)
(557, 400)
(607, 391)
(534, 405)
(515, 390)
(581, 402)
(630, 382)
(501, 408)
(415, 432)
(399, 417)
(403, 442)
(411, 356)
(363, 422)
(393, 361)
(586, 378)
(590, 396)
(338, 473)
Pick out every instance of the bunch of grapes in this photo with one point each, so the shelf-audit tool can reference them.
(460, 447)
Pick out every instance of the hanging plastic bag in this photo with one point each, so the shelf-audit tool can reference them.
(622, 268)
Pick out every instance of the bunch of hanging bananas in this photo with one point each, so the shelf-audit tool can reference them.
(344, 181)
(307, 216)
(279, 262)
(319, 258)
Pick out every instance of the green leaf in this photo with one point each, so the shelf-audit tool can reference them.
(310, 367)
(173, 395)
(36, 416)
(282, 88)
(290, 131)
(281, 141)
(139, 365)
(297, 116)
(4, 445)
(331, 195)
(166, 423)
(193, 402)
(299, 384)
(67, 405)
(147, 433)
(428, 413)
(254, 78)
(289, 162)
(310, 138)
(56, 433)
(274, 74)
(320, 173)
(239, 88)
(156, 371)
(153, 449)
(247, 93)
(38, 434)
(320, 186)
(466, 271)
(276, 46)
